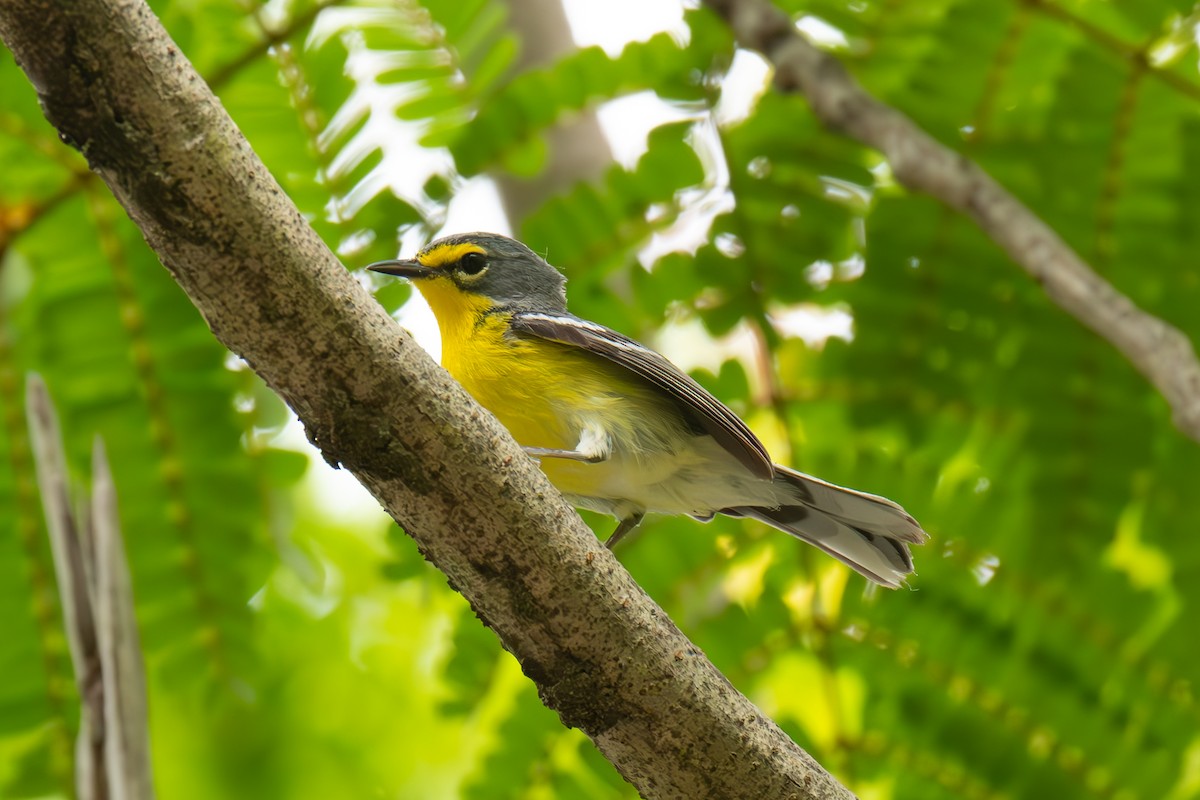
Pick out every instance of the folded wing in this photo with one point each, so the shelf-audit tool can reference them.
(710, 413)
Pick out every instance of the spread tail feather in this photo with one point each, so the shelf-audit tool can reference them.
(868, 533)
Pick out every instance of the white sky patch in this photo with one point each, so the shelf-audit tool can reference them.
(476, 207)
(690, 346)
(747, 79)
(615, 23)
(627, 122)
(397, 140)
(821, 32)
(813, 323)
(699, 205)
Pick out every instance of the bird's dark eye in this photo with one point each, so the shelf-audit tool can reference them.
(472, 263)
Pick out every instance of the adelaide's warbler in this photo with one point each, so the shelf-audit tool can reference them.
(617, 427)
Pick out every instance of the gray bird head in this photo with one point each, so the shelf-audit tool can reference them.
(489, 265)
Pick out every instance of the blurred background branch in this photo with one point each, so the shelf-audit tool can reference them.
(1157, 349)
(576, 149)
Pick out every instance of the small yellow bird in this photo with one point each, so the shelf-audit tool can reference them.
(617, 427)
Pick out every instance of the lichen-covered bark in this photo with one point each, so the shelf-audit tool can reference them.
(602, 653)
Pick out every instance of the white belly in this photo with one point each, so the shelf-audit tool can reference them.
(700, 477)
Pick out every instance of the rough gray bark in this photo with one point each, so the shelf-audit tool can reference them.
(1158, 350)
(603, 655)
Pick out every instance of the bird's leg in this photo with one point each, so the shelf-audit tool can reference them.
(625, 526)
(594, 446)
(572, 455)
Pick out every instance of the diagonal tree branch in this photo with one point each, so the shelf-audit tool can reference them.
(603, 655)
(1162, 353)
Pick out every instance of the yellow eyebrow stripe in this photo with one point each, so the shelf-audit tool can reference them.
(445, 254)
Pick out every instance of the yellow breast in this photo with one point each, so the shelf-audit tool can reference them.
(545, 393)
(524, 383)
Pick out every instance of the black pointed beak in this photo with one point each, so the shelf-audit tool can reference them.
(405, 268)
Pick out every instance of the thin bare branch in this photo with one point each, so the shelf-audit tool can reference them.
(1158, 350)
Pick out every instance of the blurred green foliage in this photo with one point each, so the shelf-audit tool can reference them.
(1047, 649)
